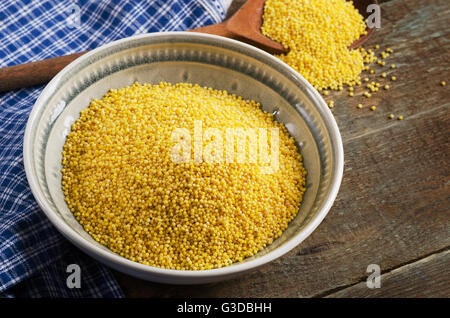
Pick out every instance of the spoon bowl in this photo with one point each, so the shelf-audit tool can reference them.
(361, 6)
(245, 26)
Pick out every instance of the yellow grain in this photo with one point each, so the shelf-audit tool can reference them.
(121, 185)
(317, 34)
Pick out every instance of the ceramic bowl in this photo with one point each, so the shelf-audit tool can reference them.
(207, 60)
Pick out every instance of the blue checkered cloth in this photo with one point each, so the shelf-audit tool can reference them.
(33, 256)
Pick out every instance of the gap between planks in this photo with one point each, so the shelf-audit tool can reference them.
(398, 267)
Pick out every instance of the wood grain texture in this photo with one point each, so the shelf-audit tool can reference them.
(393, 206)
(245, 25)
(33, 73)
(428, 277)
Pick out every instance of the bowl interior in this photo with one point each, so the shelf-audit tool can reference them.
(176, 58)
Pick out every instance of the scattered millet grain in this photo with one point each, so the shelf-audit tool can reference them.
(391, 116)
(121, 184)
(400, 117)
(443, 83)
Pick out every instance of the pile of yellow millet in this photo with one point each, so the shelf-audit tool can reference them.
(121, 184)
(318, 34)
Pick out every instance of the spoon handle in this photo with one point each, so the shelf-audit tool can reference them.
(41, 72)
(216, 29)
(33, 73)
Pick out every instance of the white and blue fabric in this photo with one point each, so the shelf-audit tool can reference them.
(33, 256)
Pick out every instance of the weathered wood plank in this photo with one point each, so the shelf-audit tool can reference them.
(235, 5)
(428, 277)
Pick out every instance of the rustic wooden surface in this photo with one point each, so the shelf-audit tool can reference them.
(393, 205)
(421, 279)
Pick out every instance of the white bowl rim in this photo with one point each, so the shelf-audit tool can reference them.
(82, 243)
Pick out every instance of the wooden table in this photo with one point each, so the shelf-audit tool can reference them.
(393, 208)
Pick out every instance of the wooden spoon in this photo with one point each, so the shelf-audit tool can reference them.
(244, 25)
